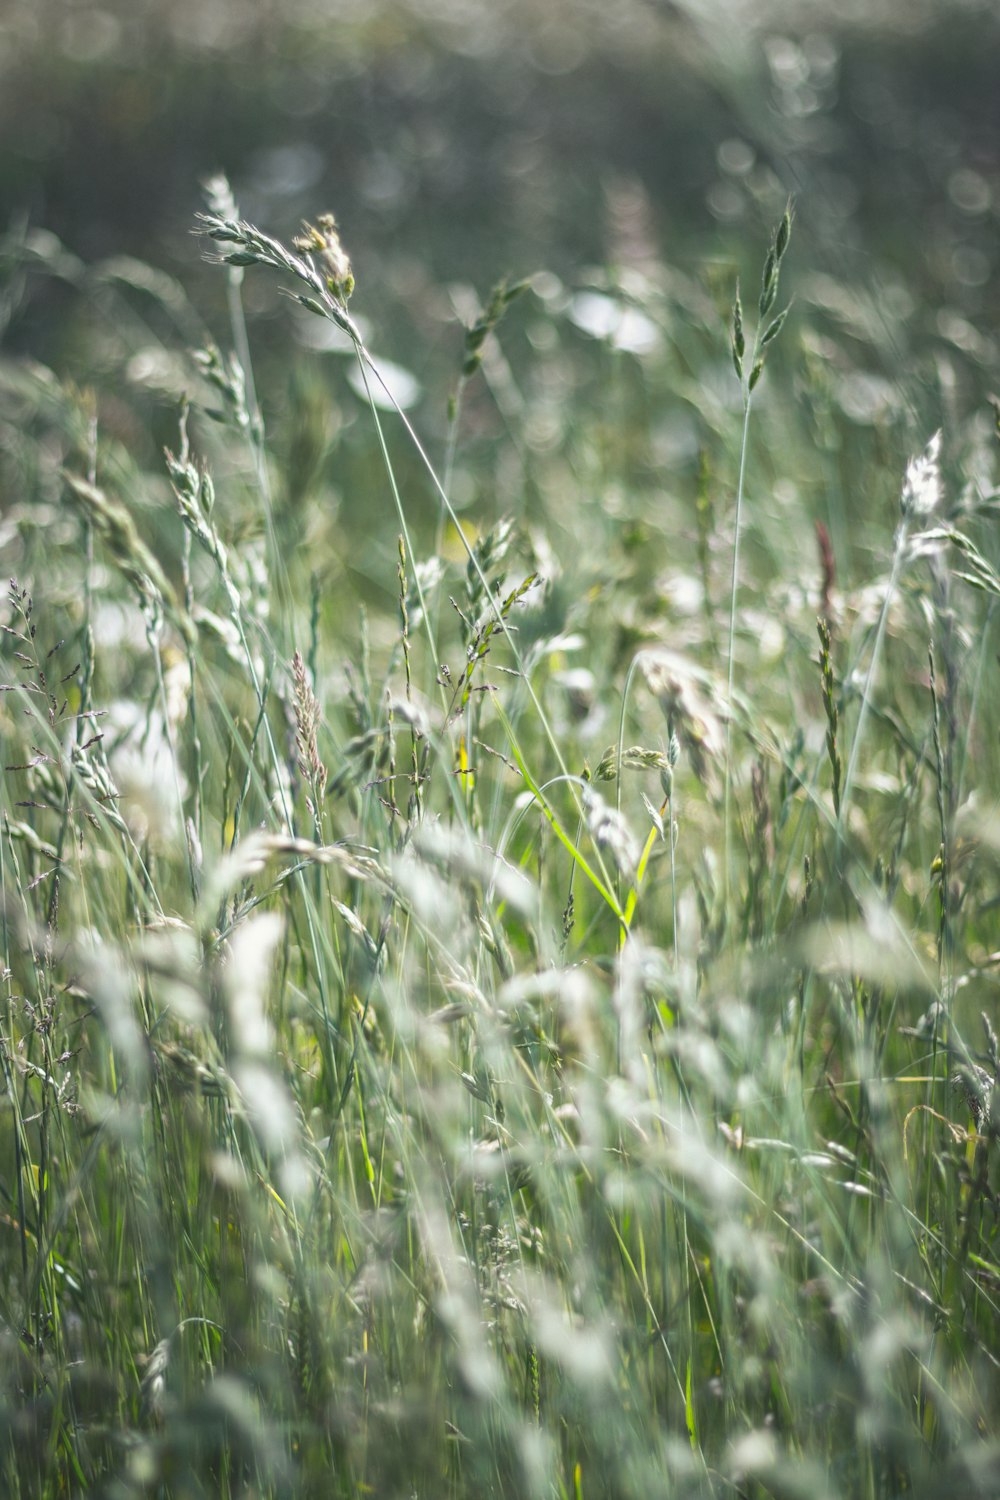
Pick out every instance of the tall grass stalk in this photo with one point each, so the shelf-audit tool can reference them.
(731, 648)
(749, 374)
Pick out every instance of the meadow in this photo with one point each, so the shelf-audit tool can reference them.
(499, 885)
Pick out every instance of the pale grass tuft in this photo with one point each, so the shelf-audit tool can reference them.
(106, 977)
(609, 830)
(922, 491)
(308, 716)
(244, 977)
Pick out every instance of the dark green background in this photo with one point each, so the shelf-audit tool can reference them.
(456, 142)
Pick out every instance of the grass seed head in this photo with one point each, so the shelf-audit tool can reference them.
(322, 240)
(922, 491)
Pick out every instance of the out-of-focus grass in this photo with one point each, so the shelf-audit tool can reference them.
(461, 139)
(415, 1083)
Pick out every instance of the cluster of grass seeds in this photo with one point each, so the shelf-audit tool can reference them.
(495, 1011)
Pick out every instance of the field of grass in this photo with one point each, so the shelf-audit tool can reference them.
(499, 903)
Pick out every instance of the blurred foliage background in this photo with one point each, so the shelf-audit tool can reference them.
(458, 140)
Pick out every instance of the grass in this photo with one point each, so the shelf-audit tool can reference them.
(498, 967)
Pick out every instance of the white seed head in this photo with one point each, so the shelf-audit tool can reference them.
(245, 977)
(922, 494)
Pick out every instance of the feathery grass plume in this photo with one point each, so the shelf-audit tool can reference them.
(253, 855)
(692, 705)
(269, 1105)
(106, 978)
(981, 573)
(975, 1085)
(156, 1400)
(482, 571)
(609, 830)
(739, 343)
(244, 978)
(327, 285)
(468, 859)
(47, 702)
(65, 771)
(875, 949)
(921, 494)
(219, 197)
(18, 831)
(93, 773)
(633, 758)
(228, 377)
(233, 378)
(322, 241)
(308, 716)
(247, 599)
(114, 524)
(500, 299)
(765, 334)
(195, 494)
(153, 1388)
(480, 637)
(474, 346)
